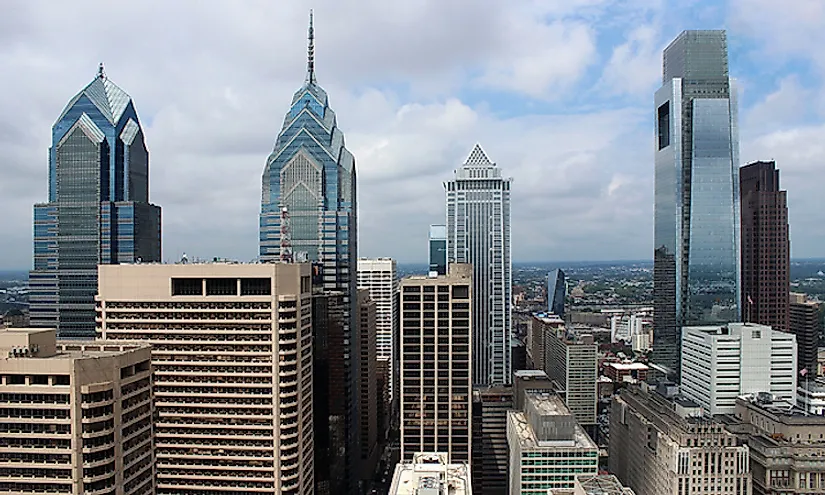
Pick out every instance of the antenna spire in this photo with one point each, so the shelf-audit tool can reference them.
(311, 52)
(100, 73)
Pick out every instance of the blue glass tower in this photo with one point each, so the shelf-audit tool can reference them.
(556, 292)
(98, 210)
(696, 273)
(438, 249)
(311, 175)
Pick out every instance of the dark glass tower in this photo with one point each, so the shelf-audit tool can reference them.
(556, 292)
(766, 247)
(309, 181)
(696, 227)
(98, 210)
(438, 249)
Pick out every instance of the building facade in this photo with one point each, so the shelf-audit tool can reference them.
(490, 452)
(478, 233)
(76, 416)
(438, 249)
(436, 339)
(369, 396)
(721, 363)
(548, 449)
(380, 277)
(805, 321)
(309, 211)
(232, 354)
(661, 445)
(98, 210)
(766, 246)
(556, 292)
(696, 275)
(431, 474)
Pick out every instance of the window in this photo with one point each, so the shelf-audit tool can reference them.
(187, 287)
(663, 125)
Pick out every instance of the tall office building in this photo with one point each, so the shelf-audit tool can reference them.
(308, 210)
(380, 277)
(548, 449)
(662, 445)
(766, 246)
(98, 210)
(556, 292)
(438, 249)
(696, 277)
(490, 452)
(76, 416)
(806, 323)
(368, 387)
(232, 354)
(478, 233)
(722, 363)
(436, 393)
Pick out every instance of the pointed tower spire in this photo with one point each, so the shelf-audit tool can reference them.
(100, 73)
(311, 52)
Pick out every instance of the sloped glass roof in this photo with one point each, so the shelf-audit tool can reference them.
(106, 96)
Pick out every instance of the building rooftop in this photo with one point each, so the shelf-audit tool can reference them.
(602, 484)
(31, 344)
(530, 374)
(430, 474)
(628, 366)
(557, 427)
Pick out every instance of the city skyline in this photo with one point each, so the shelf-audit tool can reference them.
(206, 111)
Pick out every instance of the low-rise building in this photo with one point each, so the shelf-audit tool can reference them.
(76, 416)
(548, 449)
(431, 474)
(619, 372)
(600, 484)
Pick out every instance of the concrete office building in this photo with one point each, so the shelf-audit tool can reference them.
(571, 361)
(664, 445)
(766, 246)
(696, 261)
(368, 389)
(548, 449)
(490, 452)
(232, 353)
(436, 338)
(537, 326)
(478, 233)
(380, 277)
(785, 443)
(431, 474)
(76, 417)
(806, 323)
(720, 363)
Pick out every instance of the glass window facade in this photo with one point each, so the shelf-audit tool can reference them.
(696, 254)
(98, 210)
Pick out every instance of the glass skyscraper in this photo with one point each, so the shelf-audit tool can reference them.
(310, 180)
(438, 249)
(696, 227)
(556, 292)
(478, 233)
(98, 210)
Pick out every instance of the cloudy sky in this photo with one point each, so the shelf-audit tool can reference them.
(558, 92)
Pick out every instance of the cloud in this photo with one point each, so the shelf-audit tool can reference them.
(635, 65)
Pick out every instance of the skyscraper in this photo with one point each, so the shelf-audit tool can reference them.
(766, 246)
(380, 277)
(308, 204)
(438, 249)
(556, 292)
(98, 210)
(806, 324)
(696, 225)
(478, 233)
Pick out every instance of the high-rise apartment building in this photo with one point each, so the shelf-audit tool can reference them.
(766, 246)
(368, 389)
(805, 321)
(431, 474)
(548, 449)
(438, 249)
(232, 354)
(380, 277)
(662, 445)
(98, 210)
(696, 277)
(478, 233)
(556, 292)
(309, 211)
(490, 452)
(76, 416)
(722, 363)
(436, 339)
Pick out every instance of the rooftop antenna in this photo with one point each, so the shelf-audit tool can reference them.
(100, 73)
(311, 52)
